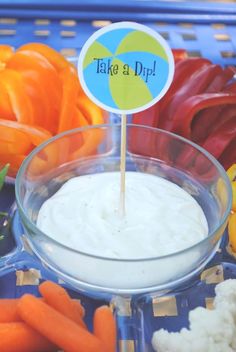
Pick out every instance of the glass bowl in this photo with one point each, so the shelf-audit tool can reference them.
(96, 149)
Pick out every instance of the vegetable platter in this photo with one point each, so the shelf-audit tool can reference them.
(204, 29)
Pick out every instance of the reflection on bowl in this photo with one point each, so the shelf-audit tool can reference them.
(149, 150)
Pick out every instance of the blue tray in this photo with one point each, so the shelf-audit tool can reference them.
(21, 272)
(203, 29)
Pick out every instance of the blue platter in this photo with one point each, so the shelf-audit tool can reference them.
(21, 272)
(202, 28)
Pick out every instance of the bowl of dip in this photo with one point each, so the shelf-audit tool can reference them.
(177, 202)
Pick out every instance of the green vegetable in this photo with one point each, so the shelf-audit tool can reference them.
(3, 174)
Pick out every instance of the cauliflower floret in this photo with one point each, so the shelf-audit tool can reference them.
(209, 330)
(226, 294)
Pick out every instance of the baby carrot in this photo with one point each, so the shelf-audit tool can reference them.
(58, 298)
(18, 337)
(57, 328)
(105, 328)
(8, 311)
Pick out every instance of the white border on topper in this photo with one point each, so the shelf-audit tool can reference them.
(142, 28)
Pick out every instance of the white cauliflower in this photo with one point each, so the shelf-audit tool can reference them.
(209, 330)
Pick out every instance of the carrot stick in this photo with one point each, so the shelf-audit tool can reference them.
(105, 328)
(57, 328)
(18, 337)
(8, 311)
(57, 297)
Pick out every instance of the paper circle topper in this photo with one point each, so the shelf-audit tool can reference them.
(125, 67)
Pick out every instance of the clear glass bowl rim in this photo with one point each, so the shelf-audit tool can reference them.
(36, 230)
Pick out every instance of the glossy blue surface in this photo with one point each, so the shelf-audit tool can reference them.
(144, 313)
(202, 28)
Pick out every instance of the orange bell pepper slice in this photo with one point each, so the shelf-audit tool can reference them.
(41, 71)
(35, 135)
(14, 142)
(15, 161)
(17, 140)
(231, 172)
(48, 159)
(55, 58)
(6, 111)
(91, 111)
(92, 138)
(69, 98)
(77, 141)
(39, 99)
(79, 120)
(233, 184)
(6, 52)
(232, 231)
(20, 101)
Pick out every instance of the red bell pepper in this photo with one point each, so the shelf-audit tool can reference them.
(217, 142)
(209, 120)
(209, 117)
(220, 139)
(228, 157)
(183, 117)
(230, 88)
(148, 117)
(220, 80)
(184, 70)
(197, 84)
(139, 141)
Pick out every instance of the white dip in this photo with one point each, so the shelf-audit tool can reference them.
(161, 217)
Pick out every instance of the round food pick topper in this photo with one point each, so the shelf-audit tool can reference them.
(125, 67)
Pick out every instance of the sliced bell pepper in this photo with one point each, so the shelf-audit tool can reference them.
(183, 117)
(218, 141)
(40, 95)
(228, 157)
(91, 138)
(41, 71)
(208, 120)
(13, 141)
(56, 59)
(15, 161)
(6, 52)
(232, 231)
(70, 87)
(138, 143)
(40, 99)
(19, 100)
(231, 172)
(36, 135)
(90, 111)
(6, 111)
(234, 196)
(47, 159)
(185, 70)
(220, 80)
(148, 117)
(197, 84)
(79, 120)
(230, 88)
